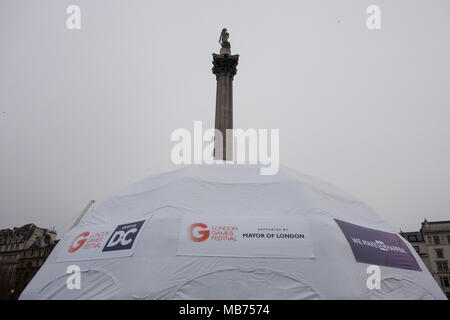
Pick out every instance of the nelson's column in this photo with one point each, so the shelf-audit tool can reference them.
(224, 69)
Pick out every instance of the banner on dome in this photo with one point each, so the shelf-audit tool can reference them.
(237, 236)
(100, 241)
(378, 247)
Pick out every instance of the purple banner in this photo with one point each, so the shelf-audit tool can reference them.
(378, 247)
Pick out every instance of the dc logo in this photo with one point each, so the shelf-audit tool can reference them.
(198, 232)
(123, 237)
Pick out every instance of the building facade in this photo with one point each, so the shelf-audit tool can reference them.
(22, 251)
(432, 243)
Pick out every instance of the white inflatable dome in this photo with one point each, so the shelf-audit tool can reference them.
(227, 232)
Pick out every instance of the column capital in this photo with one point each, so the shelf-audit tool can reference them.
(224, 64)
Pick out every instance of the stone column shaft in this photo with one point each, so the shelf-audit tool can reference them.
(224, 69)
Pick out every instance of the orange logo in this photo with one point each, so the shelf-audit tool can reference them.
(204, 232)
(80, 242)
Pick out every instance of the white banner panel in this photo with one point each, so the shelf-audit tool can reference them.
(236, 236)
(100, 241)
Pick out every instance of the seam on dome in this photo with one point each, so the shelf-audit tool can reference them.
(145, 191)
(312, 211)
(409, 281)
(296, 182)
(279, 272)
(333, 195)
(240, 182)
(152, 212)
(193, 180)
(100, 270)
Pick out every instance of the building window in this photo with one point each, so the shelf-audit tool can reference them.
(448, 238)
(442, 266)
(412, 238)
(436, 240)
(445, 283)
(439, 253)
(417, 249)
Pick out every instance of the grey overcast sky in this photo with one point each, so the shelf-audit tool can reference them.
(84, 113)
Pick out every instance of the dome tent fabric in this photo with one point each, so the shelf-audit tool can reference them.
(227, 232)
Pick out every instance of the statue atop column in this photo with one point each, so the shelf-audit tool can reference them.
(223, 40)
